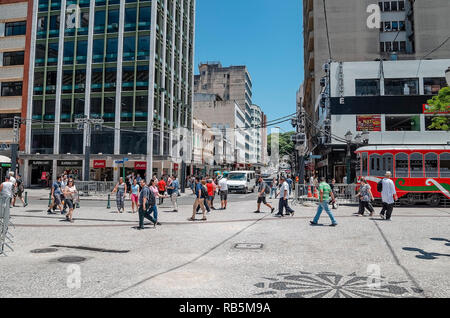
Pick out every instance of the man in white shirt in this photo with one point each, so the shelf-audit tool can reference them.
(388, 196)
(6, 188)
(284, 197)
(223, 190)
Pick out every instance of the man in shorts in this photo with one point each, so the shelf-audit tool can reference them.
(223, 188)
(262, 195)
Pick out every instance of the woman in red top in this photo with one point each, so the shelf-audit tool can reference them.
(162, 190)
(211, 190)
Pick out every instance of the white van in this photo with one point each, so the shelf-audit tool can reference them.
(241, 181)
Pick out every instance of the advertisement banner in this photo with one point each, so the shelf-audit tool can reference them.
(140, 165)
(368, 123)
(99, 164)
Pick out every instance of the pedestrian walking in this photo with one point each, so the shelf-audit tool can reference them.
(19, 191)
(121, 190)
(290, 183)
(325, 193)
(214, 191)
(6, 188)
(64, 181)
(223, 190)
(199, 199)
(333, 190)
(134, 195)
(71, 195)
(388, 196)
(274, 188)
(210, 188)
(284, 198)
(56, 195)
(162, 190)
(365, 198)
(263, 190)
(146, 201)
(174, 189)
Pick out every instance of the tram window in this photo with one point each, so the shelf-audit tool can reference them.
(364, 164)
(401, 165)
(376, 168)
(388, 163)
(445, 165)
(431, 165)
(358, 166)
(416, 165)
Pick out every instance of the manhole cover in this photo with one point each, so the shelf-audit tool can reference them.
(71, 259)
(34, 211)
(44, 250)
(249, 246)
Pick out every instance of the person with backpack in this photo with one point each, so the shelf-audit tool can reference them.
(263, 190)
(200, 195)
(146, 202)
(20, 190)
(388, 196)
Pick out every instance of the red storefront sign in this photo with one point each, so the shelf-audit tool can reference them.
(368, 123)
(99, 164)
(140, 165)
(175, 166)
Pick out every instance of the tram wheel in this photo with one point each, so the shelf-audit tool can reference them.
(434, 200)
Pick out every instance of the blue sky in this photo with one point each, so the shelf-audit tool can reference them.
(266, 36)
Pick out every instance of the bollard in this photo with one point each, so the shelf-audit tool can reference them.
(108, 206)
(26, 198)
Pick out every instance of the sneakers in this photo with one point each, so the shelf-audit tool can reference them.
(333, 224)
(313, 223)
(382, 216)
(273, 209)
(257, 212)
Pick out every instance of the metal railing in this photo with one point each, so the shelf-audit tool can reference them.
(94, 187)
(345, 194)
(5, 223)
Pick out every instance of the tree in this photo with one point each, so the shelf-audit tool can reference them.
(286, 145)
(438, 105)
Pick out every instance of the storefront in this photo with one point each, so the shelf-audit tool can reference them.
(73, 168)
(5, 165)
(41, 172)
(102, 171)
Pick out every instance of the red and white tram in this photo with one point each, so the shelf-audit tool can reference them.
(420, 173)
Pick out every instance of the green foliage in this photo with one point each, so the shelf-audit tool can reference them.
(441, 104)
(287, 147)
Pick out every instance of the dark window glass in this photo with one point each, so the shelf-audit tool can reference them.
(445, 165)
(144, 18)
(401, 86)
(100, 3)
(103, 141)
(110, 79)
(49, 111)
(128, 78)
(111, 50)
(84, 24)
(394, 5)
(7, 120)
(141, 108)
(387, 6)
(367, 87)
(142, 77)
(109, 109)
(67, 81)
(78, 107)
(126, 112)
(130, 19)
(387, 163)
(376, 168)
(364, 164)
(66, 110)
(80, 81)
(84, 3)
(56, 5)
(394, 26)
(15, 28)
(387, 26)
(98, 51)
(71, 141)
(52, 54)
(11, 88)
(133, 142)
(68, 52)
(432, 86)
(402, 25)
(401, 5)
(51, 82)
(54, 26)
(429, 121)
(114, 2)
(416, 164)
(144, 48)
(37, 110)
(401, 165)
(96, 107)
(129, 48)
(40, 55)
(43, 5)
(42, 141)
(431, 165)
(382, 47)
(99, 22)
(403, 123)
(403, 46)
(38, 83)
(97, 79)
(81, 52)
(113, 21)
(41, 31)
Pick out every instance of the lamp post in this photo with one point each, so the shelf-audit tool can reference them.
(447, 76)
(348, 138)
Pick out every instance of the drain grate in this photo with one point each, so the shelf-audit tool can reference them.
(249, 246)
(71, 259)
(44, 250)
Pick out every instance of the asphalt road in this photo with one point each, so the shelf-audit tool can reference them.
(236, 253)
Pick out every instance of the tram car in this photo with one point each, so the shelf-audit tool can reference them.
(421, 174)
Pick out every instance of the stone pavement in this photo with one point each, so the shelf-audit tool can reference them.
(236, 253)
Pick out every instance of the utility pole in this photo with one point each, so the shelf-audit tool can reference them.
(85, 123)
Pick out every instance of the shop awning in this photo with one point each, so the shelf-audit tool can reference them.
(4, 159)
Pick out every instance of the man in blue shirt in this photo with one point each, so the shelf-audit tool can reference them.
(145, 205)
(56, 195)
(173, 190)
(290, 182)
(199, 199)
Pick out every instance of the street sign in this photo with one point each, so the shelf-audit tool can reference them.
(119, 162)
(316, 157)
(126, 159)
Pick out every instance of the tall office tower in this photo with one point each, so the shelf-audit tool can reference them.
(408, 30)
(13, 27)
(126, 62)
(231, 83)
(257, 124)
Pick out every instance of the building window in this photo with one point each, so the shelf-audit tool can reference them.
(429, 121)
(130, 19)
(67, 82)
(81, 52)
(80, 81)
(111, 50)
(13, 58)
(51, 82)
(11, 88)
(142, 77)
(394, 5)
(144, 18)
(54, 26)
(128, 78)
(403, 123)
(129, 48)
(387, 26)
(141, 108)
(375, 166)
(144, 48)
(38, 83)
(403, 46)
(99, 22)
(126, 113)
(401, 86)
(432, 86)
(431, 165)
(367, 87)
(113, 21)
(7, 120)
(15, 28)
(416, 163)
(387, 6)
(401, 6)
(52, 54)
(109, 109)
(68, 52)
(98, 51)
(97, 79)
(401, 165)
(110, 79)
(445, 165)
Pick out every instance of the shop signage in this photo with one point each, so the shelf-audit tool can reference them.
(6, 165)
(427, 110)
(368, 123)
(140, 165)
(99, 164)
(70, 163)
(175, 166)
(40, 162)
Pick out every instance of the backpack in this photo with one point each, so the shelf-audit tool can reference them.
(204, 192)
(266, 189)
(151, 200)
(380, 186)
